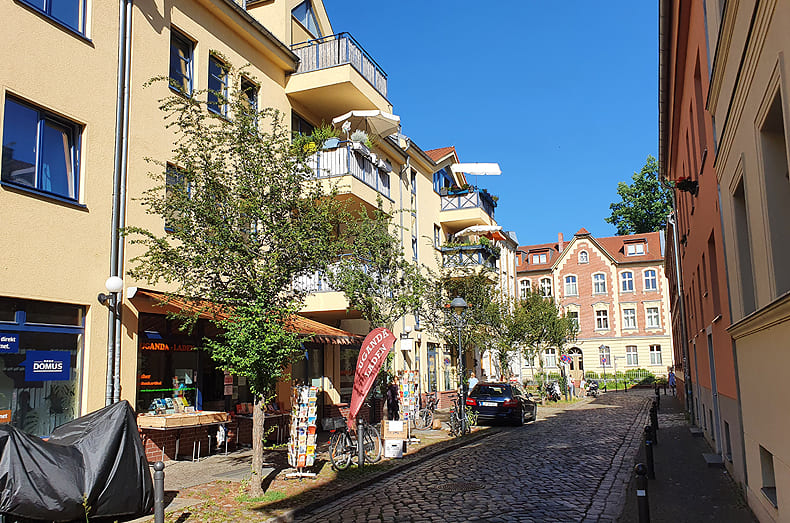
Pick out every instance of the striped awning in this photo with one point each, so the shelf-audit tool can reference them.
(319, 332)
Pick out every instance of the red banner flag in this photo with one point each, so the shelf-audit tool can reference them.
(374, 349)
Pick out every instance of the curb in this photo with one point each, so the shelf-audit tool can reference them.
(291, 514)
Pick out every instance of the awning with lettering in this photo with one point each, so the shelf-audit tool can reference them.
(319, 332)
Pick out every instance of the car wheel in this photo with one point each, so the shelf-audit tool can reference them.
(534, 413)
(519, 420)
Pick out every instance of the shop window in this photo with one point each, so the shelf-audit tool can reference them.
(41, 358)
(181, 56)
(348, 362)
(70, 13)
(41, 150)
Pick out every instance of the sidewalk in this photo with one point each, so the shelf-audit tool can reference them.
(685, 488)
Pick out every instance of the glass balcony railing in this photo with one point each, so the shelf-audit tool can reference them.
(470, 199)
(340, 49)
(469, 256)
(353, 159)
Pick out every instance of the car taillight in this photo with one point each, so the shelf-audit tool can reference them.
(510, 403)
(471, 401)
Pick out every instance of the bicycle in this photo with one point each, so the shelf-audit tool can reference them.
(459, 425)
(343, 444)
(424, 417)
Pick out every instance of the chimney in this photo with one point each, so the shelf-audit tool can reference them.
(560, 241)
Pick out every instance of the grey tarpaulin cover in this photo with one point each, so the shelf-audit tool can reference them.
(97, 461)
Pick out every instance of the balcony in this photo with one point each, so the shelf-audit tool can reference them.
(335, 75)
(471, 256)
(464, 208)
(354, 161)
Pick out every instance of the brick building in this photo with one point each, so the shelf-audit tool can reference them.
(616, 288)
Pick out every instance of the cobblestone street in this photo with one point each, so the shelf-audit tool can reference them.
(570, 465)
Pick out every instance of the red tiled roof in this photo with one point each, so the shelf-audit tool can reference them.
(210, 311)
(441, 152)
(582, 231)
(552, 248)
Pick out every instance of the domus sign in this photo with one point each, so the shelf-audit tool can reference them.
(47, 365)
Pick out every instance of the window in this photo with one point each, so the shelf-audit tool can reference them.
(41, 151)
(442, 180)
(545, 286)
(631, 356)
(300, 126)
(250, 98)
(571, 289)
(414, 182)
(653, 321)
(635, 249)
(414, 245)
(174, 183)
(602, 320)
(523, 288)
(539, 258)
(70, 13)
(306, 16)
(604, 356)
(574, 315)
(599, 284)
(629, 318)
(768, 475)
(583, 257)
(551, 357)
(217, 86)
(627, 281)
(437, 236)
(181, 49)
(651, 282)
(655, 355)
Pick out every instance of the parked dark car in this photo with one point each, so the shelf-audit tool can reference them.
(502, 401)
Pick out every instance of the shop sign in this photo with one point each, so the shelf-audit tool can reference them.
(47, 365)
(162, 346)
(5, 416)
(9, 344)
(372, 354)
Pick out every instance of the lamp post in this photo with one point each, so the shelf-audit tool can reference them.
(114, 286)
(604, 350)
(459, 307)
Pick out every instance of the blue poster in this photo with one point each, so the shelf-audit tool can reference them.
(9, 343)
(47, 365)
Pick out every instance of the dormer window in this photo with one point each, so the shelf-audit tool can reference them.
(584, 257)
(635, 249)
(541, 257)
(306, 16)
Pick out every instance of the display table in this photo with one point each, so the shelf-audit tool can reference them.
(158, 431)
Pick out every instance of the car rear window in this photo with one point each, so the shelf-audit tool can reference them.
(491, 390)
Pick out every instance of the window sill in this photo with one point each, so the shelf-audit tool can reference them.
(31, 191)
(55, 21)
(178, 91)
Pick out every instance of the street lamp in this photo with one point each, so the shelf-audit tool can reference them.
(604, 350)
(114, 286)
(459, 307)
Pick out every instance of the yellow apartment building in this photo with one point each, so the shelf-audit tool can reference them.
(77, 125)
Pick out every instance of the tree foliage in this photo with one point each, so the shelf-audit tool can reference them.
(545, 327)
(243, 218)
(509, 333)
(374, 275)
(644, 204)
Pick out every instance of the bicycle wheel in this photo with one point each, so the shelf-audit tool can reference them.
(455, 427)
(340, 450)
(423, 419)
(372, 442)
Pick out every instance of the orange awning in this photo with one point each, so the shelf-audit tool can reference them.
(207, 310)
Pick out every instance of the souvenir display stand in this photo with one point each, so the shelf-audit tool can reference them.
(301, 445)
(409, 389)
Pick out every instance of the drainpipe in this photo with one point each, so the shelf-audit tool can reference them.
(113, 384)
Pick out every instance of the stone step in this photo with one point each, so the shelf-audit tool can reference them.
(714, 460)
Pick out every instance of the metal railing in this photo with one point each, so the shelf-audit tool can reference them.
(339, 49)
(318, 281)
(354, 160)
(469, 200)
(468, 256)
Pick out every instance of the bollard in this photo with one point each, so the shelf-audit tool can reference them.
(641, 493)
(651, 472)
(360, 443)
(658, 397)
(654, 418)
(159, 492)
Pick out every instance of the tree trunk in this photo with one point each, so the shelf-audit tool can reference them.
(257, 448)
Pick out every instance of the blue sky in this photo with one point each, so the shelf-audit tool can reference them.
(562, 94)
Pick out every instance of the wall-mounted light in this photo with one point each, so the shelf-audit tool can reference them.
(114, 285)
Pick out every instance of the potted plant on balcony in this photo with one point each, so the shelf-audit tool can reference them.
(360, 142)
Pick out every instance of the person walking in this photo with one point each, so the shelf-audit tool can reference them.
(582, 386)
(393, 401)
(672, 381)
(472, 381)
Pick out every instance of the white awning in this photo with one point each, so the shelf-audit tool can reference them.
(479, 229)
(483, 169)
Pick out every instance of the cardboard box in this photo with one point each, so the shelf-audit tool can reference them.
(393, 448)
(395, 430)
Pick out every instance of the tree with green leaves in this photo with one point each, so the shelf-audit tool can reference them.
(545, 327)
(243, 216)
(509, 332)
(644, 204)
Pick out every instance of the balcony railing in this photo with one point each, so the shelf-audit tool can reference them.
(469, 200)
(355, 160)
(340, 49)
(469, 256)
(318, 281)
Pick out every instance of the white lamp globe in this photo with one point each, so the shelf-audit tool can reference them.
(113, 284)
